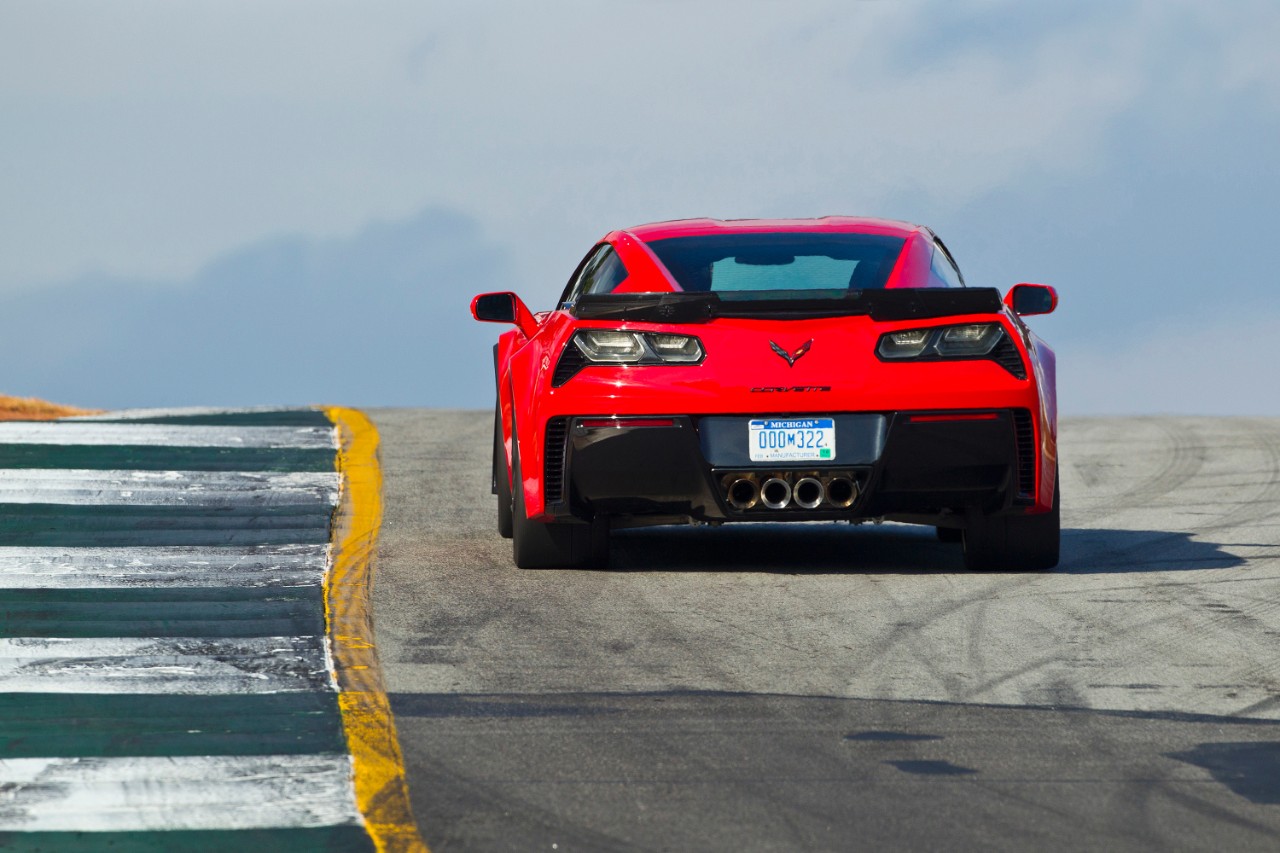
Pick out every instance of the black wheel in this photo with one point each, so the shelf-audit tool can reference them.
(1026, 543)
(501, 478)
(949, 534)
(562, 545)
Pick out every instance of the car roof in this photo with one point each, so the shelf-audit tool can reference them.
(827, 224)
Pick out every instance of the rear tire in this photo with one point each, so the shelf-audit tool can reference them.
(501, 478)
(1014, 543)
(555, 544)
(949, 534)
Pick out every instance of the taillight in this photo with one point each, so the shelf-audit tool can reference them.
(613, 346)
(972, 340)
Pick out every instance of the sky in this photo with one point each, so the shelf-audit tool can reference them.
(242, 203)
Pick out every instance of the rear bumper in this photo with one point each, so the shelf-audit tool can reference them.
(916, 465)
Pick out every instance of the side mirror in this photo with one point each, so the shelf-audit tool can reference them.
(504, 308)
(1027, 299)
(495, 307)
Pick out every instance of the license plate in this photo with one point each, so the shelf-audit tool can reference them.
(792, 440)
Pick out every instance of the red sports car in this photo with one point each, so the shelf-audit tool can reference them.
(833, 369)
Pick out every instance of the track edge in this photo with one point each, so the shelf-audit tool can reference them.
(381, 788)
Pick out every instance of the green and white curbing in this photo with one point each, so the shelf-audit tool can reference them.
(165, 678)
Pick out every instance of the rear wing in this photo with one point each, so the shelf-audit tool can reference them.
(917, 303)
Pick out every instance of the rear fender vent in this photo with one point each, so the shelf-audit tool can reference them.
(553, 460)
(1025, 435)
(1007, 356)
(571, 361)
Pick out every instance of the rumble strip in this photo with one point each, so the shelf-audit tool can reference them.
(186, 656)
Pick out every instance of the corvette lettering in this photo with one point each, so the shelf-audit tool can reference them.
(789, 389)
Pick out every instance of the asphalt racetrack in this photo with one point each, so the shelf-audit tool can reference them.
(827, 687)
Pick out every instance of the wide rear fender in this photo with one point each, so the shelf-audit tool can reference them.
(503, 350)
(530, 368)
(1045, 365)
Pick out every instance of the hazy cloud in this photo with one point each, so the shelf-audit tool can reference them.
(1121, 151)
(379, 318)
(1220, 364)
(144, 138)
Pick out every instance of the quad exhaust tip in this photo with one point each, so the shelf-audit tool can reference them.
(812, 491)
(775, 493)
(744, 493)
(807, 493)
(841, 492)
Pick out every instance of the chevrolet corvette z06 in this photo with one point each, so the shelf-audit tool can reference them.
(832, 369)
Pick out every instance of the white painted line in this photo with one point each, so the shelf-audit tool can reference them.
(82, 568)
(164, 435)
(167, 665)
(188, 412)
(166, 488)
(186, 792)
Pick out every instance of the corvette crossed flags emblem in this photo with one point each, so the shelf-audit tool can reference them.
(792, 357)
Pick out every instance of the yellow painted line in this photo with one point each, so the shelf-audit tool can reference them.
(382, 794)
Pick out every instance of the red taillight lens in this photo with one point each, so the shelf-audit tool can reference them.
(610, 423)
(957, 416)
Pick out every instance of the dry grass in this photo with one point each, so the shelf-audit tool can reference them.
(31, 409)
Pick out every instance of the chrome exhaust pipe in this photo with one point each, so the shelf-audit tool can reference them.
(775, 493)
(743, 493)
(807, 493)
(841, 492)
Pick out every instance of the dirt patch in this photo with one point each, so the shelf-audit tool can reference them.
(31, 409)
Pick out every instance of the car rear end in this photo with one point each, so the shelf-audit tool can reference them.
(872, 419)
(802, 370)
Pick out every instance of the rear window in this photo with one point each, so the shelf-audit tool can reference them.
(749, 265)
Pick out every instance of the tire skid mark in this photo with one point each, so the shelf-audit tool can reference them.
(912, 635)
(1042, 661)
(1201, 621)
(1185, 459)
(1091, 590)
(1182, 796)
(1182, 460)
(1185, 455)
(1265, 504)
(1257, 501)
(1262, 674)
(976, 635)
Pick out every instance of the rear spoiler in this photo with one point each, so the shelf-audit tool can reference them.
(917, 303)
